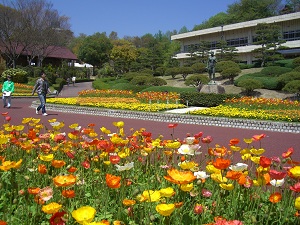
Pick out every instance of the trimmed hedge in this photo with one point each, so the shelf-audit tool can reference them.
(205, 99)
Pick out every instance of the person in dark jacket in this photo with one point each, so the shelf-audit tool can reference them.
(42, 88)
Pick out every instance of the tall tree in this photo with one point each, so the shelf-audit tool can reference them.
(95, 49)
(269, 39)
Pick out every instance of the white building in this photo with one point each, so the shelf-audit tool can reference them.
(241, 36)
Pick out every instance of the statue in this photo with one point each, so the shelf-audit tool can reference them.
(211, 64)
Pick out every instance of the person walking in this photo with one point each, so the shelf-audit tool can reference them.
(7, 89)
(42, 88)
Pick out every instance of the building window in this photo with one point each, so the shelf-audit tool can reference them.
(291, 35)
(237, 42)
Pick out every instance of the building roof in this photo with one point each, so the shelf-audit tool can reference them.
(251, 23)
(51, 52)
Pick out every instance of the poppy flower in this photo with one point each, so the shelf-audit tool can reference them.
(206, 140)
(33, 191)
(294, 172)
(265, 162)
(228, 187)
(275, 197)
(8, 118)
(288, 153)
(113, 181)
(2, 222)
(277, 183)
(167, 192)
(72, 169)
(128, 202)
(51, 208)
(297, 203)
(84, 215)
(198, 135)
(198, 209)
(45, 194)
(258, 137)
(180, 177)
(68, 193)
(57, 218)
(206, 193)
(114, 159)
(296, 187)
(165, 209)
(234, 141)
(221, 163)
(277, 175)
(86, 164)
(173, 125)
(58, 163)
(64, 180)
(119, 124)
(146, 134)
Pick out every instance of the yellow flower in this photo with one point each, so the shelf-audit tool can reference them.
(297, 203)
(19, 128)
(35, 121)
(105, 131)
(3, 139)
(259, 151)
(93, 134)
(72, 136)
(235, 148)
(51, 208)
(119, 124)
(186, 165)
(165, 209)
(7, 165)
(248, 140)
(175, 144)
(295, 171)
(151, 196)
(246, 156)
(255, 159)
(218, 178)
(26, 120)
(167, 192)
(74, 125)
(52, 120)
(84, 214)
(228, 187)
(186, 187)
(46, 158)
(211, 169)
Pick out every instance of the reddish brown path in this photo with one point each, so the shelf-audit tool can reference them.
(275, 143)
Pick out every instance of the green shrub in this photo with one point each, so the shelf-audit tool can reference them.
(156, 81)
(288, 77)
(292, 87)
(196, 79)
(146, 71)
(159, 71)
(205, 99)
(244, 66)
(297, 69)
(296, 62)
(173, 71)
(274, 71)
(249, 85)
(140, 80)
(129, 76)
(199, 67)
(288, 63)
(18, 75)
(271, 83)
(128, 87)
(100, 85)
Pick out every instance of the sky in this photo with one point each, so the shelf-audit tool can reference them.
(136, 17)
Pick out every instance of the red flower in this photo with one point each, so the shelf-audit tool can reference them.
(198, 135)
(173, 125)
(2, 222)
(264, 162)
(7, 118)
(68, 193)
(57, 218)
(114, 159)
(86, 164)
(296, 187)
(277, 175)
(234, 141)
(146, 134)
(70, 154)
(288, 153)
(258, 137)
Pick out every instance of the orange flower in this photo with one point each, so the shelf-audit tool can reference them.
(33, 191)
(178, 204)
(58, 163)
(288, 153)
(233, 175)
(275, 197)
(2, 222)
(264, 162)
(258, 137)
(221, 164)
(68, 193)
(72, 169)
(173, 125)
(180, 177)
(64, 181)
(128, 202)
(113, 181)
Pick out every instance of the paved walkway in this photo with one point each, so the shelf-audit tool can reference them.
(275, 143)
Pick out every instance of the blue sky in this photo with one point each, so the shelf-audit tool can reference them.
(137, 17)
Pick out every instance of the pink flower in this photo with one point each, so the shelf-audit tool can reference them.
(206, 193)
(46, 193)
(198, 209)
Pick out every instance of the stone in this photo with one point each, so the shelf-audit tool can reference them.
(212, 88)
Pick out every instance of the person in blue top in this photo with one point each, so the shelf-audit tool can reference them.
(7, 89)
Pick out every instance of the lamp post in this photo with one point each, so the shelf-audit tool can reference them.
(222, 36)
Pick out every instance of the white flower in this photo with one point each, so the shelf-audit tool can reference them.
(189, 149)
(201, 175)
(190, 140)
(54, 124)
(127, 166)
(78, 128)
(277, 183)
(239, 167)
(32, 169)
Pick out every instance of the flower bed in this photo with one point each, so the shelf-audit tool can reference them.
(108, 177)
